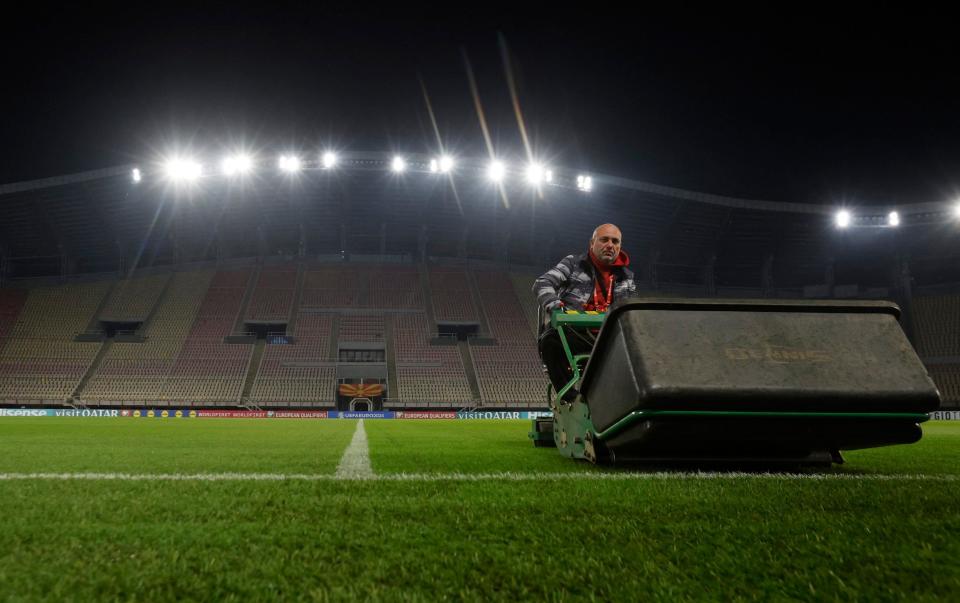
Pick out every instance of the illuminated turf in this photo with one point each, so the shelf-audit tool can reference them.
(717, 536)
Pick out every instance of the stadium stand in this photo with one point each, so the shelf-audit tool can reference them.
(138, 372)
(394, 287)
(509, 371)
(937, 322)
(273, 295)
(11, 303)
(299, 373)
(523, 288)
(133, 299)
(361, 327)
(183, 358)
(330, 287)
(40, 360)
(426, 373)
(450, 294)
(206, 369)
(174, 317)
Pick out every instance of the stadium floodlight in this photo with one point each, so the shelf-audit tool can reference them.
(329, 160)
(956, 210)
(446, 164)
(585, 183)
(434, 166)
(843, 218)
(496, 171)
(398, 164)
(548, 176)
(893, 219)
(535, 174)
(289, 163)
(183, 170)
(135, 174)
(236, 164)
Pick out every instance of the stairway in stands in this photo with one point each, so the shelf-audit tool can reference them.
(92, 369)
(467, 360)
(239, 325)
(295, 305)
(389, 342)
(252, 369)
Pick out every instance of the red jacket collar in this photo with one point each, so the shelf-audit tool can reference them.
(622, 260)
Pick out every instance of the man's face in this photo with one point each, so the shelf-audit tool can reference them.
(606, 244)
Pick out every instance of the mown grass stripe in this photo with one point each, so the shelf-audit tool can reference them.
(479, 477)
(355, 462)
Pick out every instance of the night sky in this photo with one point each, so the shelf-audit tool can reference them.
(819, 107)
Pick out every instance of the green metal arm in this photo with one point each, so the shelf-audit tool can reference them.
(580, 320)
(561, 320)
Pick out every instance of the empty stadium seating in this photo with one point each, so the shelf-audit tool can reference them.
(523, 288)
(133, 299)
(301, 373)
(450, 295)
(173, 318)
(11, 303)
(426, 372)
(39, 359)
(509, 371)
(273, 295)
(937, 322)
(361, 327)
(137, 372)
(327, 287)
(394, 287)
(207, 369)
(185, 360)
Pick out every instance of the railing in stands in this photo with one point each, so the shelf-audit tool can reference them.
(248, 404)
(76, 403)
(450, 336)
(428, 401)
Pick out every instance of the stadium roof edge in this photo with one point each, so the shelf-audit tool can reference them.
(599, 179)
(30, 185)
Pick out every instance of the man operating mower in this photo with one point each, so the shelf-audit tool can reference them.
(587, 282)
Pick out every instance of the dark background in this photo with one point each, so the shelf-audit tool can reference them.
(814, 105)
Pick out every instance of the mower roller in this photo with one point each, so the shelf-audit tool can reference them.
(747, 381)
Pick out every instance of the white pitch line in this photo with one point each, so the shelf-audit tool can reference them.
(355, 462)
(506, 476)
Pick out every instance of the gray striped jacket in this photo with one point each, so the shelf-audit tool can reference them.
(571, 281)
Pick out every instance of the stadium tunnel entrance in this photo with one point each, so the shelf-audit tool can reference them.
(111, 328)
(457, 331)
(361, 404)
(265, 330)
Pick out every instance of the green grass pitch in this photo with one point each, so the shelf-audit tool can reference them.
(458, 510)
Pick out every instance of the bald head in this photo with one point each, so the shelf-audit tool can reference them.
(605, 243)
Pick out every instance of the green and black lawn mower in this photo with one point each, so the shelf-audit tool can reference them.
(731, 380)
